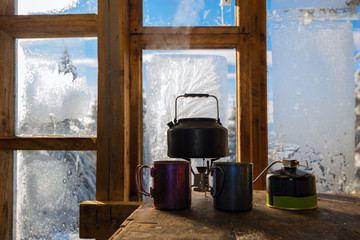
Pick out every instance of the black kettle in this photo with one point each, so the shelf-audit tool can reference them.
(197, 137)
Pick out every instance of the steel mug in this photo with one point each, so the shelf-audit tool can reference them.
(171, 184)
(233, 186)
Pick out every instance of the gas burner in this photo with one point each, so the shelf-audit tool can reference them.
(201, 179)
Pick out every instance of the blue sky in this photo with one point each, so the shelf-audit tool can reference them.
(187, 13)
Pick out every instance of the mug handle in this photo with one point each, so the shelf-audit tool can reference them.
(222, 181)
(138, 178)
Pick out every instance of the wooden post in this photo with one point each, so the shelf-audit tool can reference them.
(136, 115)
(7, 84)
(7, 79)
(100, 220)
(252, 86)
(112, 182)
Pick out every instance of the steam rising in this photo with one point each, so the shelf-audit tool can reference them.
(188, 13)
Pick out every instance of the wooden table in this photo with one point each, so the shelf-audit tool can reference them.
(337, 217)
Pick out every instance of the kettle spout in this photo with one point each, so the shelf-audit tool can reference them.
(171, 124)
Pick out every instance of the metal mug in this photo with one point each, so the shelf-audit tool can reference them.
(171, 184)
(233, 186)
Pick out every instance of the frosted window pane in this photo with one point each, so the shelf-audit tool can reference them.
(311, 97)
(26, 7)
(57, 87)
(50, 185)
(306, 11)
(168, 74)
(307, 4)
(187, 13)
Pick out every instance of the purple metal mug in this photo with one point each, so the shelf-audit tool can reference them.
(171, 184)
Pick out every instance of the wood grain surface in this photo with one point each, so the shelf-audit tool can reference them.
(101, 219)
(337, 217)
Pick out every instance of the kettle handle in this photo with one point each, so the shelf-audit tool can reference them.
(196, 95)
(186, 95)
(138, 178)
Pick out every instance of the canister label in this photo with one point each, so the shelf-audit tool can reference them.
(294, 203)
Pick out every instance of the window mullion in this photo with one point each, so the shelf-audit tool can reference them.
(113, 90)
(7, 87)
(47, 143)
(50, 26)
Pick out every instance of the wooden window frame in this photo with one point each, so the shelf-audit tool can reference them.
(14, 27)
(121, 39)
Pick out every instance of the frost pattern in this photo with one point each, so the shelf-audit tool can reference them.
(313, 85)
(50, 187)
(55, 6)
(52, 99)
(302, 4)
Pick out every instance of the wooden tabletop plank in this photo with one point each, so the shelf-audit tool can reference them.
(328, 221)
(196, 222)
(337, 217)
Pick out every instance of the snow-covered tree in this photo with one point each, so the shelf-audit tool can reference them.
(66, 66)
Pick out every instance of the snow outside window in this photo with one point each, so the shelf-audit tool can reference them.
(57, 87)
(56, 96)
